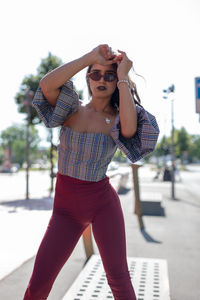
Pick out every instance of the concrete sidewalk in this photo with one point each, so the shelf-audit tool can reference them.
(174, 237)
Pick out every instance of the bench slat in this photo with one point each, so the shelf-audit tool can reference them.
(149, 277)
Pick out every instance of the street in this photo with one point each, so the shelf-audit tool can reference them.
(29, 218)
(13, 186)
(192, 179)
(174, 237)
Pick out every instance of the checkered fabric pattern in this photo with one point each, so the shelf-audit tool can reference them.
(67, 104)
(87, 155)
(143, 141)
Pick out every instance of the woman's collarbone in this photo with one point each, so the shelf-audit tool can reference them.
(85, 121)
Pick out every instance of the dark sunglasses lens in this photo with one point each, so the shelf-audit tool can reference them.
(107, 77)
(95, 76)
(110, 77)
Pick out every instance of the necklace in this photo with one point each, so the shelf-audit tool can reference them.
(107, 120)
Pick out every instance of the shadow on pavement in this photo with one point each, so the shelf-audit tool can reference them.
(123, 190)
(148, 238)
(188, 202)
(45, 203)
(152, 210)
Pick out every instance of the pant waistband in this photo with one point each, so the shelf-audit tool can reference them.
(80, 181)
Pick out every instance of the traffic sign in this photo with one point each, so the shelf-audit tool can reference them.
(197, 94)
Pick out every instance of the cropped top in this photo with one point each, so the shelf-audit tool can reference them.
(86, 155)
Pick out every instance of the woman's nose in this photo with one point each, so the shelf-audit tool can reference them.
(102, 78)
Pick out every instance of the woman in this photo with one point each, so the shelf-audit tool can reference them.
(89, 137)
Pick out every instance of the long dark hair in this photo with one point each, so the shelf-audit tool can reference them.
(114, 101)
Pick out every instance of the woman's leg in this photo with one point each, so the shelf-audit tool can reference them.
(109, 233)
(61, 236)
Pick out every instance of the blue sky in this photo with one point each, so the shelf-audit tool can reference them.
(160, 37)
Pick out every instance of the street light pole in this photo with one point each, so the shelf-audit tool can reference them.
(27, 103)
(172, 151)
(170, 90)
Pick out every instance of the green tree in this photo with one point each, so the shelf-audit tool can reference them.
(1, 155)
(14, 138)
(163, 146)
(182, 142)
(194, 150)
(119, 156)
(31, 82)
(187, 147)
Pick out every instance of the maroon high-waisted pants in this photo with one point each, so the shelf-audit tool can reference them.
(78, 203)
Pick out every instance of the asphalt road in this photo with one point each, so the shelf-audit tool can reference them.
(191, 178)
(174, 237)
(13, 186)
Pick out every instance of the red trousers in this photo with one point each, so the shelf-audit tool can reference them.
(77, 204)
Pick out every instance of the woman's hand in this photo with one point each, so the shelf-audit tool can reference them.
(103, 55)
(124, 65)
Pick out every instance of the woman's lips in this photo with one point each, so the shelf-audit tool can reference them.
(101, 88)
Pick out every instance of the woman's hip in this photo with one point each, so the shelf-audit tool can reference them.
(80, 195)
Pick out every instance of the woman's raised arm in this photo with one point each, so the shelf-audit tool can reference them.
(53, 80)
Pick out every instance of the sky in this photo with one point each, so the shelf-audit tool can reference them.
(161, 37)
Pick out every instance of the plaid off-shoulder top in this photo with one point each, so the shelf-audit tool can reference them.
(86, 156)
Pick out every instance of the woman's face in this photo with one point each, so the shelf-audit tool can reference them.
(109, 86)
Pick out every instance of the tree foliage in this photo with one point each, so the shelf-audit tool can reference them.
(194, 150)
(119, 156)
(187, 147)
(14, 138)
(32, 82)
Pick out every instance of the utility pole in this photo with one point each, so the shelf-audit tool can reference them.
(172, 151)
(52, 174)
(170, 91)
(27, 102)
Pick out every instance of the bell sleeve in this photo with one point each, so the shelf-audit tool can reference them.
(67, 103)
(143, 141)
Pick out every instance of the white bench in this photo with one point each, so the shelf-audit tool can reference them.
(149, 277)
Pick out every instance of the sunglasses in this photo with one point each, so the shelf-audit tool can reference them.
(96, 76)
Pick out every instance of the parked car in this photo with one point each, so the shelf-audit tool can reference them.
(13, 169)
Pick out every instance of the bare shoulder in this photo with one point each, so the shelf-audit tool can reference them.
(76, 116)
(86, 120)
(81, 109)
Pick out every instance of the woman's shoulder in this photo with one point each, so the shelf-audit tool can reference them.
(87, 120)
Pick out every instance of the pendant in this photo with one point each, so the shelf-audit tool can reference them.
(107, 120)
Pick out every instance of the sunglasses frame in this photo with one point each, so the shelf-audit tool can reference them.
(89, 74)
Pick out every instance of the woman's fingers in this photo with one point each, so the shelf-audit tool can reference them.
(119, 57)
(108, 51)
(123, 53)
(114, 59)
(120, 51)
(109, 56)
